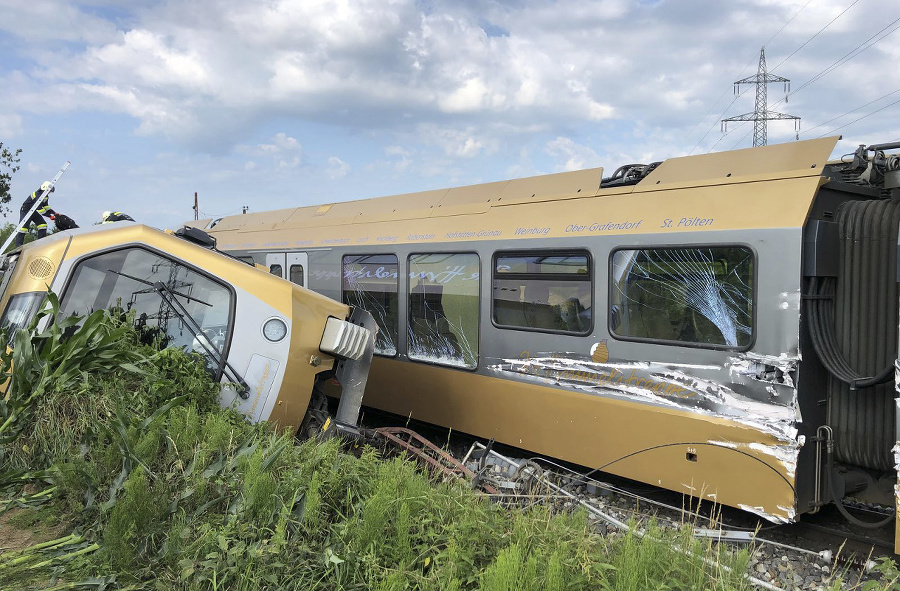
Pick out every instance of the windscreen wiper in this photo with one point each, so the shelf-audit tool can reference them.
(168, 295)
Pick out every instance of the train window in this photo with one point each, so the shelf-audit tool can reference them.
(275, 270)
(543, 291)
(698, 295)
(296, 273)
(127, 279)
(370, 282)
(443, 308)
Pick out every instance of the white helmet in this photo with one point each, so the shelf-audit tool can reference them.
(46, 185)
(106, 214)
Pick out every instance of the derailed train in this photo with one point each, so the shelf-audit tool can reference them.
(271, 341)
(722, 325)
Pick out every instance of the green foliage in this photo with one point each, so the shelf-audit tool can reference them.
(9, 165)
(163, 489)
(43, 361)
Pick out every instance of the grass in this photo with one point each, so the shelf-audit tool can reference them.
(160, 488)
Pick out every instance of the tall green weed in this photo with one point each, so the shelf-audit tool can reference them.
(166, 490)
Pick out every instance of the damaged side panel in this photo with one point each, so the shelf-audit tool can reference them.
(682, 337)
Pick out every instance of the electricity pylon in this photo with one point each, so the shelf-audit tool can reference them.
(761, 114)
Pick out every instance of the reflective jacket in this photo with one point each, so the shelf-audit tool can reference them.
(44, 209)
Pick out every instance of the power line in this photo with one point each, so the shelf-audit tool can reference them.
(724, 135)
(848, 56)
(719, 118)
(843, 60)
(785, 25)
(816, 34)
(740, 141)
(861, 118)
(851, 111)
(761, 115)
(860, 48)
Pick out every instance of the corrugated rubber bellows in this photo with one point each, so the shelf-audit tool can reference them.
(865, 322)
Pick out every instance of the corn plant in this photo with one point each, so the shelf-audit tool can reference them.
(56, 357)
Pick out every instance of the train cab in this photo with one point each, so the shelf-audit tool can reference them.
(270, 342)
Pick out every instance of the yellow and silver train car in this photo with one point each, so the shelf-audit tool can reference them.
(722, 325)
(273, 340)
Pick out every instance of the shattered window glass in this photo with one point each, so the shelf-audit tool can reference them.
(124, 280)
(370, 282)
(443, 308)
(700, 295)
(547, 291)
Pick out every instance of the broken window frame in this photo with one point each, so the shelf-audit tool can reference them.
(216, 370)
(465, 347)
(551, 279)
(385, 333)
(615, 279)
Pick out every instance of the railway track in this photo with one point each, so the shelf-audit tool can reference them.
(811, 554)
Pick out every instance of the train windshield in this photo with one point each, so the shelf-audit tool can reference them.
(126, 279)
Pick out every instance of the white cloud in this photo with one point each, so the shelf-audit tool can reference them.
(425, 94)
(337, 168)
(576, 156)
(10, 125)
(281, 144)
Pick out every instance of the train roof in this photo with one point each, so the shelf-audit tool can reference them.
(724, 187)
(100, 238)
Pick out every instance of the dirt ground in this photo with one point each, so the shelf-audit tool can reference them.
(16, 535)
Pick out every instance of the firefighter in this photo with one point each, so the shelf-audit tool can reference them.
(36, 218)
(116, 216)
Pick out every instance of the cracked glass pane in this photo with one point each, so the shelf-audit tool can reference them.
(701, 295)
(370, 282)
(443, 308)
(102, 282)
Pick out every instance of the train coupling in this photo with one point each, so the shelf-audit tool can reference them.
(352, 370)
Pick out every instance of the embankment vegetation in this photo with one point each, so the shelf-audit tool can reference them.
(119, 462)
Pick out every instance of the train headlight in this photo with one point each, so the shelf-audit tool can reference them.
(344, 339)
(274, 329)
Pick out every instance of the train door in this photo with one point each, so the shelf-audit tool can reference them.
(289, 265)
(276, 262)
(297, 265)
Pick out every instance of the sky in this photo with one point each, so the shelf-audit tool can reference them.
(284, 103)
